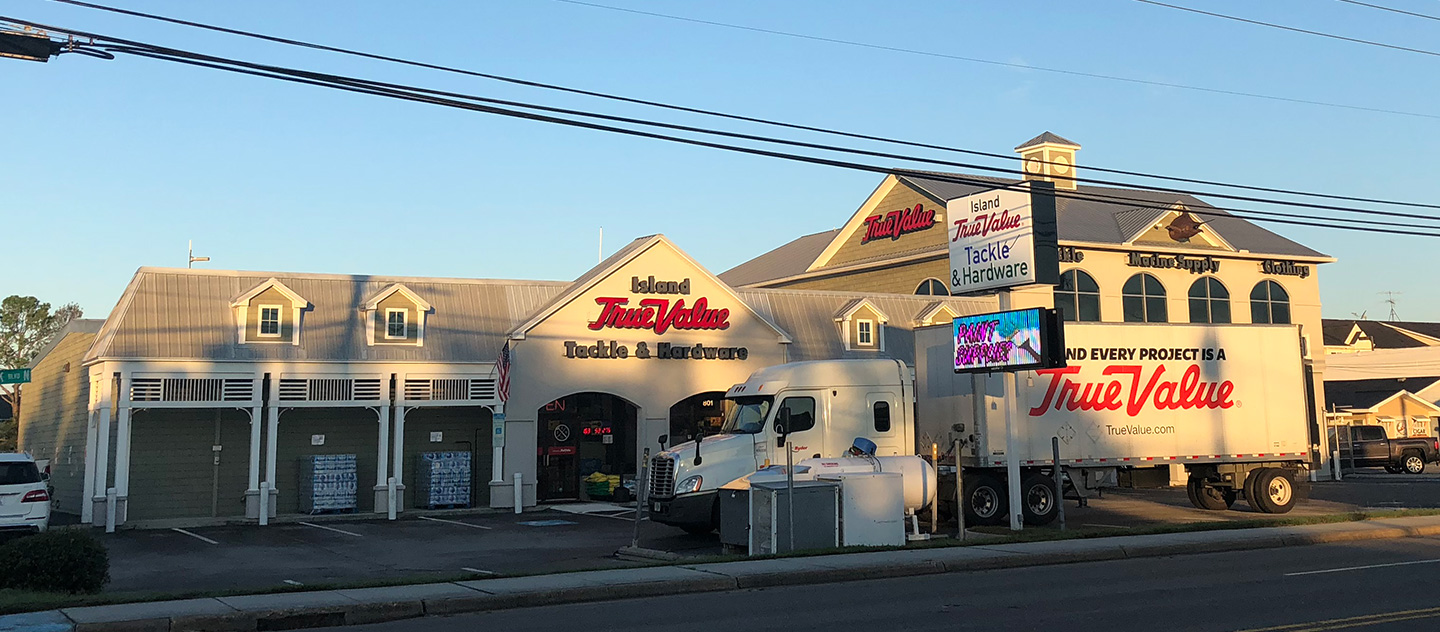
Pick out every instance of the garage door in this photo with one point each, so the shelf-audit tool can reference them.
(461, 429)
(315, 431)
(175, 472)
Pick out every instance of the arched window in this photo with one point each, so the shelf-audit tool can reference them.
(1209, 301)
(1144, 299)
(1078, 297)
(932, 287)
(1269, 303)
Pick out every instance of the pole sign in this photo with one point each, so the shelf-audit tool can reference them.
(1009, 341)
(1003, 238)
(15, 376)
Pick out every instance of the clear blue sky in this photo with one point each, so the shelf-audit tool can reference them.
(114, 165)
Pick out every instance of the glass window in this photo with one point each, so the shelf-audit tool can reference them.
(865, 333)
(1078, 297)
(882, 416)
(1269, 303)
(1209, 301)
(933, 287)
(269, 320)
(746, 415)
(801, 411)
(395, 324)
(1144, 300)
(19, 473)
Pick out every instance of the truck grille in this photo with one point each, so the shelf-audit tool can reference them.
(662, 477)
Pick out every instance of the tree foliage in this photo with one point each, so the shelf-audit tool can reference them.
(26, 325)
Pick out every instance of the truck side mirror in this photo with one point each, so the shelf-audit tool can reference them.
(782, 424)
(664, 439)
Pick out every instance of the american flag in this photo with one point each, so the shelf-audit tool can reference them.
(502, 383)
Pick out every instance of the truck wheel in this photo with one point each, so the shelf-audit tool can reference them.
(1274, 491)
(985, 500)
(1413, 463)
(1041, 503)
(1203, 496)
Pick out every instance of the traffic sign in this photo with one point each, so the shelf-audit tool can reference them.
(14, 376)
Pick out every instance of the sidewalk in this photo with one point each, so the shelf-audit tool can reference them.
(372, 605)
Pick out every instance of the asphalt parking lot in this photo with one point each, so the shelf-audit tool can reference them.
(348, 550)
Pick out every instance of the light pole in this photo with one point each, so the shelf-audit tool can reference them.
(193, 258)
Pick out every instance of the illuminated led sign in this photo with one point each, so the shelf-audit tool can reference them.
(1009, 341)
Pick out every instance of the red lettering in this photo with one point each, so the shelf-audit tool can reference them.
(896, 224)
(1133, 394)
(658, 315)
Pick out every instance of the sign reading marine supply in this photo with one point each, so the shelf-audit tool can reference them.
(1002, 238)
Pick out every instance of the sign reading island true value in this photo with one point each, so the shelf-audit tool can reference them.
(1003, 238)
(15, 376)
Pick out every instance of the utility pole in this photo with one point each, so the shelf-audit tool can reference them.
(193, 258)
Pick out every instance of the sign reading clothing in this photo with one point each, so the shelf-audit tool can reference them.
(1008, 341)
(1002, 238)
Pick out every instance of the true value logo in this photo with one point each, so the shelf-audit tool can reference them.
(658, 315)
(895, 224)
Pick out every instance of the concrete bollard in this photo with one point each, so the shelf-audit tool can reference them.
(111, 499)
(390, 497)
(265, 503)
(519, 493)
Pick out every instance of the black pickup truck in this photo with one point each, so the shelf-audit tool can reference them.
(1369, 447)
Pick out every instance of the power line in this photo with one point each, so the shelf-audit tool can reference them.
(415, 94)
(1285, 28)
(528, 83)
(1392, 10)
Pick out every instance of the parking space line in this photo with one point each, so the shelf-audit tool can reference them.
(478, 570)
(1361, 568)
(194, 535)
(463, 524)
(293, 582)
(308, 524)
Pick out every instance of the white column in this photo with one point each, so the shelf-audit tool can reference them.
(102, 462)
(1012, 435)
(87, 509)
(399, 442)
(252, 486)
(382, 473)
(122, 462)
(272, 440)
(497, 445)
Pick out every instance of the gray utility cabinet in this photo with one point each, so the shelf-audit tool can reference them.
(817, 516)
(735, 517)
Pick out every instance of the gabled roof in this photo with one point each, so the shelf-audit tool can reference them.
(612, 264)
(77, 326)
(374, 302)
(1368, 394)
(1382, 334)
(782, 261)
(1047, 137)
(927, 315)
(848, 309)
(272, 282)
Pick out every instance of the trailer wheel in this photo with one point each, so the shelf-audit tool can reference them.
(1205, 497)
(1274, 492)
(1041, 503)
(1413, 463)
(985, 500)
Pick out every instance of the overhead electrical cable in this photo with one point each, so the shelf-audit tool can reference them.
(1284, 28)
(749, 119)
(122, 46)
(1393, 10)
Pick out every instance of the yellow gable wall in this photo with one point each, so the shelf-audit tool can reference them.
(543, 373)
(412, 318)
(899, 198)
(270, 296)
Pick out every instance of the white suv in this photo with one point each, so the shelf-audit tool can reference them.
(24, 494)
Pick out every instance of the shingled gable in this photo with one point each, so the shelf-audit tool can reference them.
(619, 261)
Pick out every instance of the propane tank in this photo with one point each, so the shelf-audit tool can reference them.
(917, 474)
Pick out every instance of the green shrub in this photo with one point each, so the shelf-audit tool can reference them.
(61, 560)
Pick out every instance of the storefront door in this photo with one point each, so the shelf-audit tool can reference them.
(579, 436)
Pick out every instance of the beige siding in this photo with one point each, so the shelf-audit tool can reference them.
(465, 429)
(271, 296)
(347, 431)
(173, 473)
(864, 313)
(412, 320)
(53, 412)
(900, 198)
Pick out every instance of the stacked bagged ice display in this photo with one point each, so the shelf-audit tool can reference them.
(327, 483)
(442, 479)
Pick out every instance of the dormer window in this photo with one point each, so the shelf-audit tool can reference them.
(862, 326)
(396, 316)
(269, 321)
(269, 313)
(395, 324)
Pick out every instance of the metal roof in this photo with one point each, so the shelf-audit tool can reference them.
(791, 258)
(1047, 137)
(1366, 394)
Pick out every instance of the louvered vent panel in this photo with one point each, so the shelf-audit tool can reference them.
(482, 389)
(417, 389)
(293, 390)
(367, 389)
(239, 390)
(145, 389)
(191, 390)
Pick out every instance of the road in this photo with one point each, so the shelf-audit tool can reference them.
(1298, 589)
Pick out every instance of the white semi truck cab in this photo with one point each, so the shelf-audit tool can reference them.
(817, 409)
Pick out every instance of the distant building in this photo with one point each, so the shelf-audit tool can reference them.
(1406, 407)
(1352, 336)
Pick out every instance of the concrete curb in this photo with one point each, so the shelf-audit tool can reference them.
(288, 611)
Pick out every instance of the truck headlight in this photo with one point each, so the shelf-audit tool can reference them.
(689, 485)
